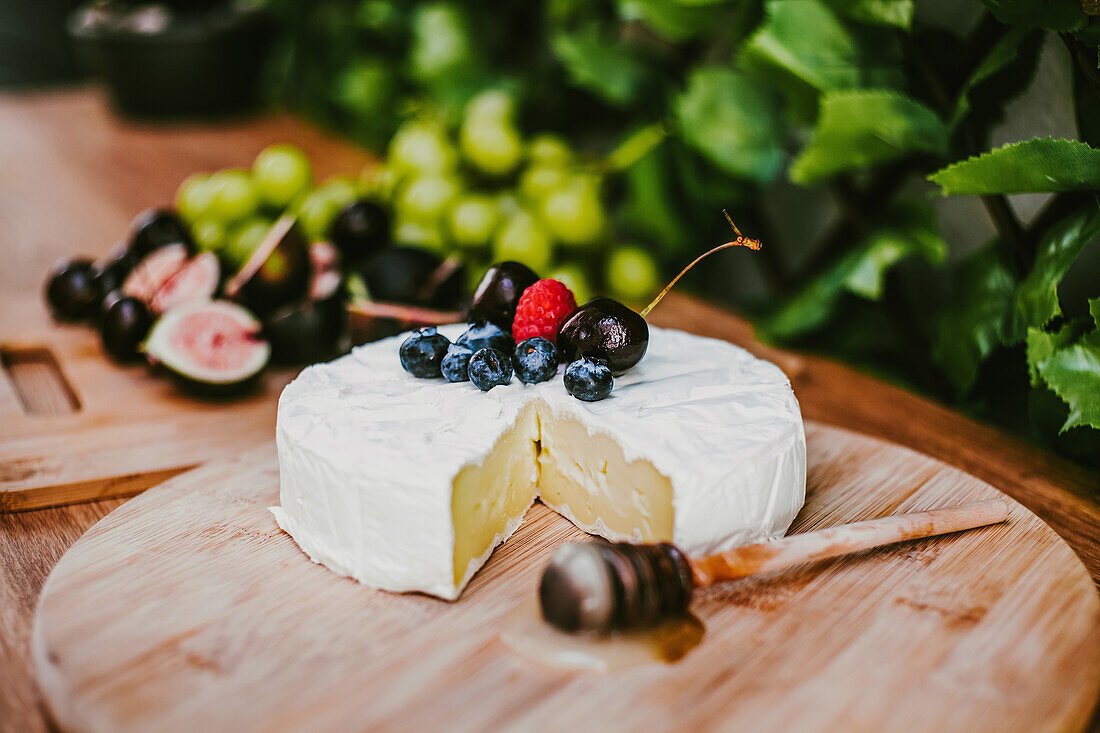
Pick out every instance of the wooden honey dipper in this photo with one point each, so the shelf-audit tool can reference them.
(603, 586)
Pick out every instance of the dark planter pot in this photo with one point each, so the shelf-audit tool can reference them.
(195, 64)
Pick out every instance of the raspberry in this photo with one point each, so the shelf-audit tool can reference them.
(541, 309)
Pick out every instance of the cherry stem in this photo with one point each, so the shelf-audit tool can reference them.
(741, 241)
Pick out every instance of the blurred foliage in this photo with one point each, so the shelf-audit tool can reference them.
(705, 104)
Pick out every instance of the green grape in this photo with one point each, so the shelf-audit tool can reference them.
(523, 239)
(492, 105)
(243, 240)
(420, 233)
(234, 196)
(281, 173)
(631, 273)
(341, 190)
(508, 204)
(379, 181)
(194, 196)
(539, 180)
(440, 41)
(421, 147)
(472, 219)
(576, 279)
(494, 147)
(549, 149)
(426, 198)
(315, 211)
(208, 234)
(574, 214)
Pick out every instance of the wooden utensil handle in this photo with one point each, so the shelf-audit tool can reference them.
(845, 539)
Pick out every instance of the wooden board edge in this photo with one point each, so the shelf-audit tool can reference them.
(77, 492)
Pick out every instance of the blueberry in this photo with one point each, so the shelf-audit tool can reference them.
(455, 363)
(588, 379)
(490, 367)
(423, 352)
(536, 360)
(485, 335)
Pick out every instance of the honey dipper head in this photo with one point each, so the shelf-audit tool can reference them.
(602, 586)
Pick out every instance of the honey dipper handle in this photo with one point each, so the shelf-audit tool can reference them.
(845, 539)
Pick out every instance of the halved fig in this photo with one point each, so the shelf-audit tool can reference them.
(196, 280)
(212, 347)
(277, 273)
(153, 271)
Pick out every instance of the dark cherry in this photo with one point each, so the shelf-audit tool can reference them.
(361, 229)
(498, 293)
(154, 228)
(605, 329)
(126, 323)
(71, 290)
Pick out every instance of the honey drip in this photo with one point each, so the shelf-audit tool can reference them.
(525, 633)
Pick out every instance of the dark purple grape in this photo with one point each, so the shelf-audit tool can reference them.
(125, 325)
(156, 228)
(361, 229)
(71, 291)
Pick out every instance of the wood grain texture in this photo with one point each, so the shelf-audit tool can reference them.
(189, 608)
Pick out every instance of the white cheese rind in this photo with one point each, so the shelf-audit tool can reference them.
(368, 454)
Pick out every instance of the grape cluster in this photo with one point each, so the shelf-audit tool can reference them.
(231, 211)
(484, 193)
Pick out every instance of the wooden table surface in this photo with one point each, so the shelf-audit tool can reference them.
(72, 176)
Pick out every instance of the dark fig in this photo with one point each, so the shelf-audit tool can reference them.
(498, 293)
(156, 228)
(313, 331)
(126, 323)
(153, 271)
(211, 347)
(605, 329)
(198, 279)
(412, 275)
(71, 291)
(361, 229)
(277, 274)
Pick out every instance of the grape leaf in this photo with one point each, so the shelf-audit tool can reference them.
(806, 40)
(606, 69)
(1041, 345)
(1039, 165)
(1094, 311)
(857, 129)
(733, 121)
(973, 320)
(669, 20)
(898, 13)
(908, 231)
(650, 208)
(1073, 373)
(1036, 298)
(1052, 15)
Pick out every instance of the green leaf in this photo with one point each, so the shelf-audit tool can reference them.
(908, 231)
(898, 13)
(1041, 345)
(858, 129)
(1036, 298)
(1073, 373)
(972, 321)
(1094, 311)
(670, 20)
(1003, 54)
(1051, 15)
(805, 39)
(733, 121)
(1039, 165)
(650, 208)
(606, 69)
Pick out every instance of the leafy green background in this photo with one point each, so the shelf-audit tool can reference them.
(831, 129)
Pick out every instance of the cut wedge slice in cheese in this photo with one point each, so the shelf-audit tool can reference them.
(409, 484)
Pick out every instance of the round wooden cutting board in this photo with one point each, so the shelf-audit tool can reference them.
(188, 609)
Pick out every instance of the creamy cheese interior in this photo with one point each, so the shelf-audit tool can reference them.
(583, 476)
